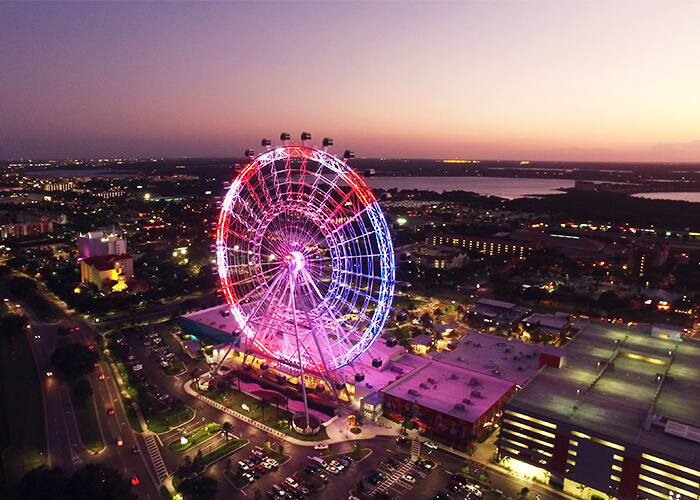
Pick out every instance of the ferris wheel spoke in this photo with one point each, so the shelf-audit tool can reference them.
(267, 303)
(251, 293)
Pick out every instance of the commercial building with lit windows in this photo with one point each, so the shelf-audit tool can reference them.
(487, 245)
(620, 419)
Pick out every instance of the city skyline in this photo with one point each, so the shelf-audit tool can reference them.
(536, 80)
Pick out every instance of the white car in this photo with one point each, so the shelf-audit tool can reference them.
(333, 470)
(430, 445)
(322, 446)
(409, 478)
(248, 477)
(291, 482)
(273, 463)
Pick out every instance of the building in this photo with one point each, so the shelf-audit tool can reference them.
(449, 403)
(621, 418)
(546, 328)
(40, 225)
(372, 406)
(432, 256)
(422, 344)
(509, 359)
(494, 245)
(644, 257)
(101, 242)
(107, 272)
(497, 314)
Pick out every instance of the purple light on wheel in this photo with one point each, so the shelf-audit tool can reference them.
(305, 258)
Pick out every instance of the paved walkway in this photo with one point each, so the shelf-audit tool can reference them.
(336, 427)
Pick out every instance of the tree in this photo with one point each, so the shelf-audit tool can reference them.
(185, 468)
(226, 430)
(199, 488)
(99, 482)
(74, 360)
(525, 493)
(198, 462)
(11, 325)
(82, 391)
(426, 320)
(42, 483)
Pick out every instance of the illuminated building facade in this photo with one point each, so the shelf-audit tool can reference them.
(101, 242)
(486, 245)
(621, 418)
(107, 271)
(26, 228)
(451, 404)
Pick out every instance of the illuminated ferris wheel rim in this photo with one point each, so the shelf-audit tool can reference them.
(304, 253)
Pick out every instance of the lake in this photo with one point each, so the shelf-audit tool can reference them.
(503, 187)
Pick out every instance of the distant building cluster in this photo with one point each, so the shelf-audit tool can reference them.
(18, 229)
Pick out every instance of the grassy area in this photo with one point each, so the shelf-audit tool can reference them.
(163, 422)
(224, 450)
(357, 455)
(131, 391)
(158, 423)
(176, 368)
(131, 416)
(275, 454)
(286, 429)
(21, 412)
(274, 418)
(195, 437)
(236, 479)
(164, 493)
(88, 426)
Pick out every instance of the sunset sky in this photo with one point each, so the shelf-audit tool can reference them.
(537, 80)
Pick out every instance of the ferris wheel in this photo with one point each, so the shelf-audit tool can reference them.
(304, 257)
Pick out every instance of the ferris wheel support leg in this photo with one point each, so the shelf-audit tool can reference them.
(292, 286)
(255, 312)
(323, 359)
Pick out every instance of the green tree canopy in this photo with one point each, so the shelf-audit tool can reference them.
(42, 483)
(199, 488)
(99, 482)
(74, 360)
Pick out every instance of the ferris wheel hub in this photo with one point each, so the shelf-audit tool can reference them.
(295, 261)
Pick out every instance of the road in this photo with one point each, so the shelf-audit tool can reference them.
(64, 446)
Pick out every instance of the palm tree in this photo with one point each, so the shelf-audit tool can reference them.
(263, 403)
(226, 430)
